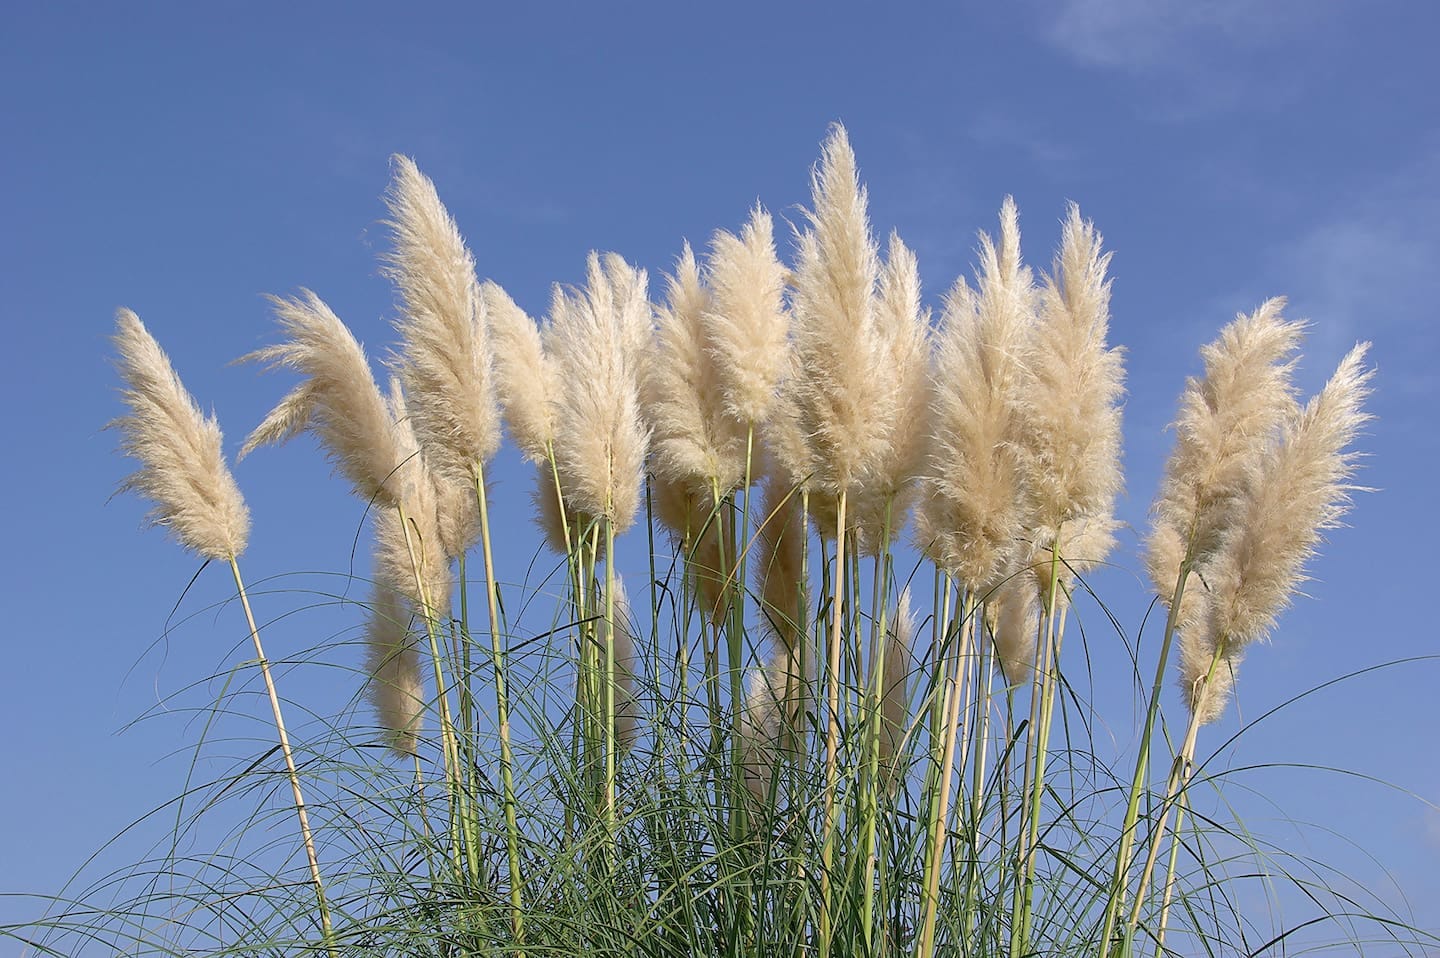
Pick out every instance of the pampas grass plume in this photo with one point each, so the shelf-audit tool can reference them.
(393, 664)
(693, 437)
(1013, 616)
(839, 401)
(1227, 420)
(746, 327)
(338, 400)
(598, 339)
(894, 703)
(527, 381)
(780, 567)
(977, 516)
(1300, 489)
(1071, 426)
(182, 467)
(903, 329)
(444, 359)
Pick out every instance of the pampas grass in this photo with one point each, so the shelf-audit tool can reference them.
(976, 512)
(183, 472)
(694, 439)
(337, 400)
(839, 406)
(1070, 429)
(674, 781)
(597, 338)
(745, 323)
(1298, 489)
(444, 361)
(182, 468)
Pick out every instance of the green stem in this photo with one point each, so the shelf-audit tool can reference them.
(459, 836)
(1180, 773)
(879, 640)
(502, 713)
(308, 838)
(938, 832)
(832, 734)
(1120, 878)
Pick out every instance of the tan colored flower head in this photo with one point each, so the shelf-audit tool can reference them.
(182, 467)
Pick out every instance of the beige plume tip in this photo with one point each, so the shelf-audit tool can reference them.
(182, 468)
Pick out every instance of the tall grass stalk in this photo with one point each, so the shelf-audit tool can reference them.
(306, 836)
(502, 712)
(832, 730)
(1119, 879)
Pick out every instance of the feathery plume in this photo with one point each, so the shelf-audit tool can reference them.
(1300, 489)
(780, 571)
(882, 496)
(182, 468)
(701, 533)
(771, 722)
(526, 379)
(1226, 421)
(338, 400)
(1088, 541)
(1070, 431)
(783, 436)
(598, 340)
(1013, 616)
(548, 515)
(976, 410)
(444, 359)
(1207, 699)
(393, 564)
(627, 669)
(693, 438)
(746, 330)
(457, 514)
(894, 703)
(393, 664)
(839, 402)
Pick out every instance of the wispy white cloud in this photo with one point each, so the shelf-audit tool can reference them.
(1162, 34)
(1368, 265)
(1198, 56)
(1432, 826)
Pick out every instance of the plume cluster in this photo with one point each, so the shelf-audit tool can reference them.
(393, 665)
(598, 338)
(974, 507)
(337, 399)
(745, 325)
(1296, 488)
(182, 467)
(1253, 481)
(834, 398)
(1000, 426)
(695, 440)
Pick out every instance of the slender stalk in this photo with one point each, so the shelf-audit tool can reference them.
(502, 712)
(1180, 773)
(309, 839)
(1050, 678)
(981, 735)
(458, 835)
(937, 825)
(1184, 802)
(1119, 879)
(870, 794)
(611, 818)
(832, 734)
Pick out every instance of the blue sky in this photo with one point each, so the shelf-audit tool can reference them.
(185, 163)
